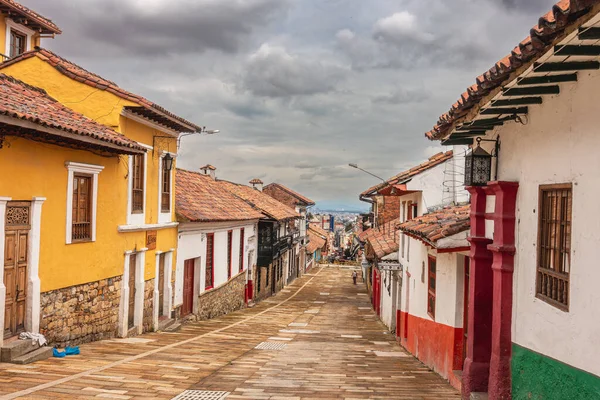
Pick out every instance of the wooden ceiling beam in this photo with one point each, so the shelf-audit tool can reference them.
(566, 66)
(538, 80)
(531, 90)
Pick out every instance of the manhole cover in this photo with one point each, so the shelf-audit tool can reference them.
(270, 346)
(201, 395)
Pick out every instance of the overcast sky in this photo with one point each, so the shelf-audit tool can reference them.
(298, 88)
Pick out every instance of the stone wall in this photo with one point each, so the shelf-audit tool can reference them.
(223, 299)
(265, 286)
(147, 322)
(82, 313)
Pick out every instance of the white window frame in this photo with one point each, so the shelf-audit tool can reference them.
(137, 219)
(10, 24)
(165, 217)
(93, 171)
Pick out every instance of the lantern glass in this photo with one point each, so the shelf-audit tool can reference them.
(478, 167)
(168, 162)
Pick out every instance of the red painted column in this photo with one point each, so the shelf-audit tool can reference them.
(477, 362)
(503, 250)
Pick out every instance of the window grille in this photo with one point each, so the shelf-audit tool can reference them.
(82, 216)
(554, 245)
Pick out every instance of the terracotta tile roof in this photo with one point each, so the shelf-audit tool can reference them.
(260, 201)
(24, 102)
(315, 242)
(34, 19)
(256, 181)
(199, 198)
(145, 107)
(363, 235)
(383, 239)
(542, 37)
(315, 226)
(439, 224)
(304, 200)
(405, 176)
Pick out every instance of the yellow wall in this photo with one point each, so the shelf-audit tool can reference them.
(34, 169)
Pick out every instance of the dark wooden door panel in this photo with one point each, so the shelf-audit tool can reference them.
(161, 284)
(131, 313)
(188, 287)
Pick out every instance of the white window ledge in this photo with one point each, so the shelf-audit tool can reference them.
(146, 227)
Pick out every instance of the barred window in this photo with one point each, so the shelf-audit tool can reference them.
(165, 191)
(431, 283)
(229, 250)
(82, 204)
(554, 244)
(137, 188)
(210, 261)
(241, 265)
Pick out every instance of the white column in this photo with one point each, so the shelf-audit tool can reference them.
(32, 316)
(168, 296)
(124, 304)
(3, 201)
(156, 292)
(138, 317)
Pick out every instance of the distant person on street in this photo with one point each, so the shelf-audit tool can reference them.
(354, 275)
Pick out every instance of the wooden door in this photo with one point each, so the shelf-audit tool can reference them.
(161, 284)
(188, 287)
(131, 314)
(15, 266)
(466, 306)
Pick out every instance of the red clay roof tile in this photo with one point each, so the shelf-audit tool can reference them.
(33, 18)
(262, 202)
(433, 161)
(383, 239)
(199, 198)
(439, 224)
(145, 107)
(25, 102)
(305, 200)
(315, 242)
(541, 38)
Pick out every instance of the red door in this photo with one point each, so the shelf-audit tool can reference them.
(188, 287)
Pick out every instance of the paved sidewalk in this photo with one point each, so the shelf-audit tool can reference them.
(322, 341)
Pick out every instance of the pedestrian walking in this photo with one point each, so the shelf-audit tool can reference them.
(354, 275)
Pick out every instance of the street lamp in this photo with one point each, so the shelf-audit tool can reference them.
(168, 162)
(203, 130)
(393, 192)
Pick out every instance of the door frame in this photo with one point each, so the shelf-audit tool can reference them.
(138, 315)
(167, 288)
(32, 302)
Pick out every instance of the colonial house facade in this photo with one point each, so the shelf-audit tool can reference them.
(430, 313)
(301, 204)
(531, 121)
(216, 248)
(274, 239)
(118, 232)
(60, 184)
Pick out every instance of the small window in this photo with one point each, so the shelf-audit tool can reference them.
(554, 245)
(229, 250)
(165, 192)
(414, 211)
(210, 261)
(431, 288)
(241, 266)
(82, 205)
(137, 190)
(18, 43)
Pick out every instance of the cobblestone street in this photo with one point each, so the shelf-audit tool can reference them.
(320, 339)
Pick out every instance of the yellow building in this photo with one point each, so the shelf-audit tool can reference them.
(107, 228)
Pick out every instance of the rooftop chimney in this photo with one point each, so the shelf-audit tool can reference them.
(257, 184)
(209, 170)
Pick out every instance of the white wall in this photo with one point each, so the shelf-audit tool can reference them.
(192, 244)
(449, 285)
(431, 183)
(558, 145)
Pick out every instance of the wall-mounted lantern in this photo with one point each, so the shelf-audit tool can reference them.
(478, 165)
(168, 162)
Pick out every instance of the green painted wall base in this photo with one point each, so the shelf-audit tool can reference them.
(536, 377)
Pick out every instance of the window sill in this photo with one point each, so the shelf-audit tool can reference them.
(145, 227)
(81, 241)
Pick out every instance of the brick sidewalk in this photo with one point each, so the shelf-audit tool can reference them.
(335, 348)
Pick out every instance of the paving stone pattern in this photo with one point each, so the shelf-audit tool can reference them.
(342, 353)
